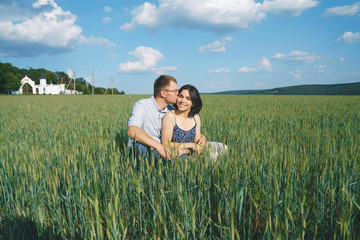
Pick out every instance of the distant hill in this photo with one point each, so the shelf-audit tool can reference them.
(316, 89)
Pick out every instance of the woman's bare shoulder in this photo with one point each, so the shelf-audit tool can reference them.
(169, 116)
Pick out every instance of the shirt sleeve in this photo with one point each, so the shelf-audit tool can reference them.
(170, 107)
(137, 115)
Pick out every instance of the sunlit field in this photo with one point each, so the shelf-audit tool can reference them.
(292, 171)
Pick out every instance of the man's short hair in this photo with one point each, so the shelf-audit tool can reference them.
(161, 82)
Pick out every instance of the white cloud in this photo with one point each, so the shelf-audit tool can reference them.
(98, 41)
(127, 27)
(216, 47)
(50, 24)
(349, 37)
(297, 75)
(296, 57)
(321, 68)
(40, 3)
(212, 15)
(48, 30)
(147, 60)
(107, 9)
(113, 55)
(342, 59)
(13, 10)
(247, 70)
(347, 10)
(163, 70)
(263, 66)
(106, 19)
(146, 15)
(220, 70)
(219, 85)
(288, 7)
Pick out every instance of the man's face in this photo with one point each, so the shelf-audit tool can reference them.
(171, 92)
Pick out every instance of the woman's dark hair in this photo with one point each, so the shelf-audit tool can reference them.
(195, 98)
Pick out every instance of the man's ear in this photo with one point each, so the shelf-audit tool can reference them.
(162, 93)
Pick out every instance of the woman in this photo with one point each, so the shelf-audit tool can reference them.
(181, 127)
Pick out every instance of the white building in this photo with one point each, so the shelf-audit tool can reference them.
(42, 88)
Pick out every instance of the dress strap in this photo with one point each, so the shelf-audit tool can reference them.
(195, 121)
(174, 116)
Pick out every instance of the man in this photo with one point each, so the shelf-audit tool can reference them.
(144, 124)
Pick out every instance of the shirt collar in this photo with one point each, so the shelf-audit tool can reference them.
(155, 104)
(166, 109)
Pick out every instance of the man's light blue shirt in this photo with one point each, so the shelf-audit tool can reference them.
(147, 115)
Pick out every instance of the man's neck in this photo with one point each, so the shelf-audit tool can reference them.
(160, 102)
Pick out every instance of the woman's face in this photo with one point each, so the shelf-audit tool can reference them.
(183, 101)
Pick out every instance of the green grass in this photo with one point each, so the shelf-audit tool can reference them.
(292, 171)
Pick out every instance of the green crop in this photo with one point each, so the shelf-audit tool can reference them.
(292, 171)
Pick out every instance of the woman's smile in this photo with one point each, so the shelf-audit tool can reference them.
(184, 102)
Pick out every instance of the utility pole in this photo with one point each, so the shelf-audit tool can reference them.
(108, 87)
(74, 83)
(92, 82)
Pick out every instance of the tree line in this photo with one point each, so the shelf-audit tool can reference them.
(11, 76)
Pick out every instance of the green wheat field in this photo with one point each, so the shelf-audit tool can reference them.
(292, 171)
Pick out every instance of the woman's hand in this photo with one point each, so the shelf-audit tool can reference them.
(198, 148)
(183, 151)
(190, 148)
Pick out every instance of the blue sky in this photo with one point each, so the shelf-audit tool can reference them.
(216, 45)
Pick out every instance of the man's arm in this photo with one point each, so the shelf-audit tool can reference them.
(141, 136)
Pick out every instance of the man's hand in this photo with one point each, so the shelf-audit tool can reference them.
(163, 151)
(202, 141)
(141, 136)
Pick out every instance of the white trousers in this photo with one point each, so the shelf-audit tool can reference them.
(216, 149)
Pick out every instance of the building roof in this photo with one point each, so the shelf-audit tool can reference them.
(42, 76)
